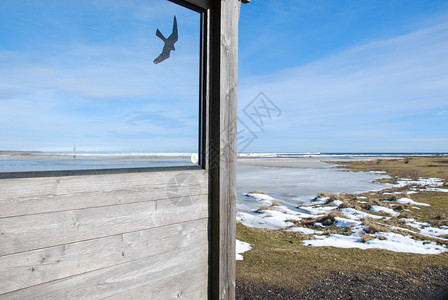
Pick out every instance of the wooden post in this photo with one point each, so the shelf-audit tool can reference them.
(223, 152)
(54, 222)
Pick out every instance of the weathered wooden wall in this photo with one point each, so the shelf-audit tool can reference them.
(99, 236)
(223, 146)
(133, 235)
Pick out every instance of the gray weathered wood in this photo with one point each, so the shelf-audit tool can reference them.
(25, 233)
(189, 285)
(30, 268)
(223, 167)
(103, 213)
(50, 194)
(107, 282)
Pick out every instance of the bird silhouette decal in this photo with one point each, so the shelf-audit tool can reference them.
(169, 43)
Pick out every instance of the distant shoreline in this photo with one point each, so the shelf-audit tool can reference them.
(41, 154)
(339, 154)
(240, 155)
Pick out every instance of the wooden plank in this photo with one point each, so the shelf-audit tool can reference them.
(107, 282)
(40, 195)
(229, 84)
(26, 233)
(201, 3)
(188, 285)
(30, 268)
(204, 4)
(223, 166)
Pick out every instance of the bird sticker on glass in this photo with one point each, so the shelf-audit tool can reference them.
(169, 43)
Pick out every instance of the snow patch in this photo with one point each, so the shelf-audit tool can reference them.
(412, 202)
(336, 202)
(431, 182)
(343, 222)
(282, 217)
(260, 196)
(355, 214)
(437, 190)
(270, 219)
(320, 200)
(382, 209)
(392, 242)
(317, 210)
(241, 247)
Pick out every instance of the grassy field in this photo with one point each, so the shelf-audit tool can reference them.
(409, 167)
(412, 168)
(279, 259)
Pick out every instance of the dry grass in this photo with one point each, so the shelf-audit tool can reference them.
(322, 195)
(365, 238)
(405, 215)
(279, 258)
(370, 203)
(401, 207)
(439, 206)
(346, 204)
(394, 197)
(334, 197)
(415, 168)
(375, 202)
(331, 197)
(431, 166)
(350, 204)
(327, 220)
(396, 221)
(336, 213)
(374, 227)
(264, 207)
(257, 192)
(275, 203)
(439, 220)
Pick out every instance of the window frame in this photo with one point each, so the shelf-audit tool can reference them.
(202, 7)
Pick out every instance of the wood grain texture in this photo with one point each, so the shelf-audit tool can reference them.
(120, 278)
(229, 87)
(51, 194)
(86, 223)
(188, 285)
(223, 131)
(30, 268)
(18, 234)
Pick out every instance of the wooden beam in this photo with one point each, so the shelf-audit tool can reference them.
(222, 147)
(194, 4)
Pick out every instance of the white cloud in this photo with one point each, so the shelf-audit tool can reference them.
(354, 92)
(95, 90)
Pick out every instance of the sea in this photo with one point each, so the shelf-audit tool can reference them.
(297, 178)
(292, 178)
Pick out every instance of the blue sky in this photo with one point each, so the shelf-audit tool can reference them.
(81, 73)
(349, 76)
